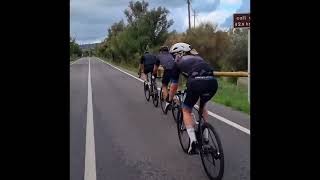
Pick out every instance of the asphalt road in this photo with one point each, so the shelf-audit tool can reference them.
(133, 139)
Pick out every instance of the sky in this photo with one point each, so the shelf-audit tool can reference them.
(90, 19)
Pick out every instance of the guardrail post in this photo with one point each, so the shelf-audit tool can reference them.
(249, 65)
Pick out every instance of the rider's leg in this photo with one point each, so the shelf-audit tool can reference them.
(208, 91)
(204, 111)
(188, 122)
(145, 74)
(191, 99)
(165, 91)
(165, 82)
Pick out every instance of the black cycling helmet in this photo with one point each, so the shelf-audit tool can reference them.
(164, 48)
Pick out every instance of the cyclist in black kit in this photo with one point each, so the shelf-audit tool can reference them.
(147, 63)
(167, 62)
(200, 84)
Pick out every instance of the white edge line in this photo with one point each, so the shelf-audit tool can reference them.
(90, 156)
(228, 122)
(235, 125)
(121, 70)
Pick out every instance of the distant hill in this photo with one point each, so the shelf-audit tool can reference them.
(88, 46)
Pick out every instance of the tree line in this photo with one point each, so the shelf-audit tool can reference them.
(147, 29)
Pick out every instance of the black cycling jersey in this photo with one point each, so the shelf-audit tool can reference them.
(200, 85)
(191, 66)
(166, 60)
(148, 59)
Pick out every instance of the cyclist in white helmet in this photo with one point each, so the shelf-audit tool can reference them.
(200, 84)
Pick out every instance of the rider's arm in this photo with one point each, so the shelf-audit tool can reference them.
(141, 64)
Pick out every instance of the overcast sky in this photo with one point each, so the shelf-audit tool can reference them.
(90, 19)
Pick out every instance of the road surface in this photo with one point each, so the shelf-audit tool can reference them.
(116, 134)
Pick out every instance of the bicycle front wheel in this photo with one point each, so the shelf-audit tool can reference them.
(211, 153)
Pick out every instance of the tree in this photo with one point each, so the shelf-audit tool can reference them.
(204, 39)
(145, 29)
(157, 25)
(236, 58)
(115, 29)
(75, 49)
(135, 11)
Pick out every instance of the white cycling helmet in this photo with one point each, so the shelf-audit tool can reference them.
(180, 47)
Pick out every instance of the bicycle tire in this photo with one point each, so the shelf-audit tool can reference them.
(155, 96)
(162, 101)
(182, 130)
(175, 108)
(213, 155)
(146, 91)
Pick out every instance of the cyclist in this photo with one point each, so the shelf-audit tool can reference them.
(201, 84)
(166, 60)
(147, 63)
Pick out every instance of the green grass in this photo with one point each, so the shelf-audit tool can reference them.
(233, 96)
(228, 94)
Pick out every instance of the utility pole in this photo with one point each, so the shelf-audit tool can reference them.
(188, 1)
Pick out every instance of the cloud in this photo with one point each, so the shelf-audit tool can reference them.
(231, 1)
(205, 5)
(90, 19)
(244, 8)
(167, 3)
(216, 17)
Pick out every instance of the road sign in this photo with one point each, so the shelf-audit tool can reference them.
(241, 20)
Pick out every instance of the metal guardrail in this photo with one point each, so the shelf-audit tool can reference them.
(217, 73)
(222, 74)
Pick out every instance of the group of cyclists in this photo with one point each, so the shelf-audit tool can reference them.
(201, 84)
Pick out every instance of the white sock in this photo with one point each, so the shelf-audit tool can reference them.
(205, 133)
(191, 134)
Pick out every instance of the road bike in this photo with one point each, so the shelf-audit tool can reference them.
(211, 151)
(151, 90)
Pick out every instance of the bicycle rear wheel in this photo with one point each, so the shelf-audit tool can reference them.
(155, 96)
(176, 106)
(211, 153)
(146, 90)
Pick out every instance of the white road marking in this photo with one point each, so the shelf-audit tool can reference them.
(121, 70)
(228, 121)
(235, 125)
(90, 156)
